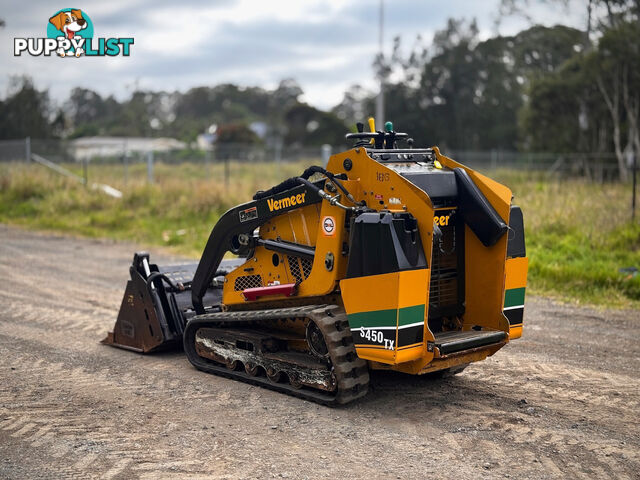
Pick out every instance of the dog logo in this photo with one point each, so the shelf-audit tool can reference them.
(70, 34)
(69, 22)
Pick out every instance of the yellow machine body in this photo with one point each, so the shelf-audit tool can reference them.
(390, 308)
(387, 259)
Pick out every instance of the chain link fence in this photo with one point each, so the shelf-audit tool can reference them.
(134, 158)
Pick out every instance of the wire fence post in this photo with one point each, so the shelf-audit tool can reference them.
(150, 166)
(633, 194)
(325, 152)
(27, 148)
(125, 161)
(278, 151)
(125, 168)
(227, 173)
(85, 171)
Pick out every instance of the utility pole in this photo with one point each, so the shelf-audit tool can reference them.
(380, 98)
(633, 194)
(150, 166)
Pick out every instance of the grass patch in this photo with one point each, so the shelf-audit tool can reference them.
(178, 210)
(578, 236)
(578, 233)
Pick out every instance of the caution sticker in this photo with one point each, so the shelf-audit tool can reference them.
(329, 226)
(248, 214)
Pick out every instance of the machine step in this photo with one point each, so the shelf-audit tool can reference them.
(455, 341)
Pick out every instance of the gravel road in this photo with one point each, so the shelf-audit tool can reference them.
(562, 402)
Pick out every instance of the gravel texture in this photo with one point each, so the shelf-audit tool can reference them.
(562, 402)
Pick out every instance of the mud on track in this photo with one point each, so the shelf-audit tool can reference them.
(562, 402)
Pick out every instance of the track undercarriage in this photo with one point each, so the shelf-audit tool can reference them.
(315, 360)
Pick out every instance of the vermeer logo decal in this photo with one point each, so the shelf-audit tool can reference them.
(70, 34)
(275, 205)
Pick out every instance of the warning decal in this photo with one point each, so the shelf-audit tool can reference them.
(248, 214)
(329, 226)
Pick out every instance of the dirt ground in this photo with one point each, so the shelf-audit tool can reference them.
(562, 402)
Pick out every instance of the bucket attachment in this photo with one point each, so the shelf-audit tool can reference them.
(157, 304)
(142, 325)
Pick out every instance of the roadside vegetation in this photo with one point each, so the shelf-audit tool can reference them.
(579, 234)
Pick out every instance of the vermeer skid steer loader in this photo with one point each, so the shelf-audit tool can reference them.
(389, 259)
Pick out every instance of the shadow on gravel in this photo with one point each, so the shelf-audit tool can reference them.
(389, 391)
(398, 392)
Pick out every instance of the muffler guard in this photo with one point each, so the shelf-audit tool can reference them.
(477, 211)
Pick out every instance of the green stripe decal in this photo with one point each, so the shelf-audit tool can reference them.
(514, 297)
(379, 318)
(409, 315)
(387, 318)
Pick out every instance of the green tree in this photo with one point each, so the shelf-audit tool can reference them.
(306, 125)
(25, 111)
(592, 102)
(356, 105)
(615, 66)
(236, 133)
(465, 94)
(551, 120)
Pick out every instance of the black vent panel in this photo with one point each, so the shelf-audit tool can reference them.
(299, 267)
(247, 281)
(446, 293)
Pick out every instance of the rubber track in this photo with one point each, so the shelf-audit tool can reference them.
(352, 374)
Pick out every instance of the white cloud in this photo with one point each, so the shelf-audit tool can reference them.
(325, 45)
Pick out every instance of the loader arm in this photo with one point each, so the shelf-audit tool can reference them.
(241, 219)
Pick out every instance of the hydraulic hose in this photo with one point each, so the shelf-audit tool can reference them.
(323, 194)
(304, 178)
(334, 178)
(175, 287)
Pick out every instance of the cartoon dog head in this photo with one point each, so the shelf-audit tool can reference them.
(69, 23)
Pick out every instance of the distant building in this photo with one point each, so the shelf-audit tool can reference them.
(261, 129)
(89, 147)
(205, 141)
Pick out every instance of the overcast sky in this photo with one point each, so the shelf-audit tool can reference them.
(325, 45)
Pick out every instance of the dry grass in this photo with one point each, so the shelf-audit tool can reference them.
(179, 209)
(578, 233)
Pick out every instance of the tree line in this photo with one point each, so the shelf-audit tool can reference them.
(27, 111)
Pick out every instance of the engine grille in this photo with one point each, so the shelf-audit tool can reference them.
(300, 268)
(306, 267)
(247, 281)
(294, 268)
(446, 279)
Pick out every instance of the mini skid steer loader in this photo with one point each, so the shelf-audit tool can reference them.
(389, 259)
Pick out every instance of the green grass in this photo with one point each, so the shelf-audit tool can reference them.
(578, 236)
(178, 210)
(578, 233)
